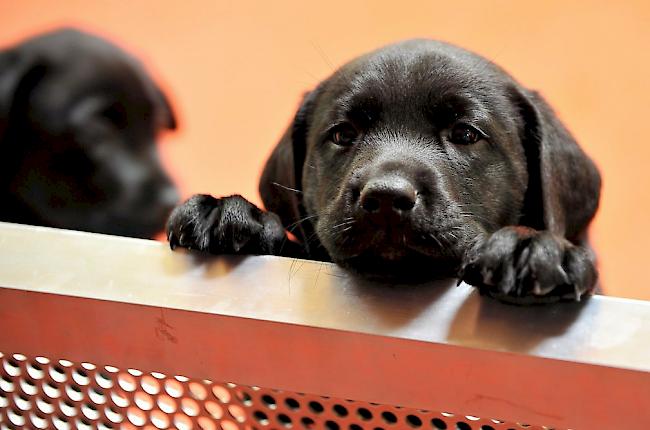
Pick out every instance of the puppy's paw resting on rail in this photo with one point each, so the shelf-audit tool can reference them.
(228, 225)
(524, 266)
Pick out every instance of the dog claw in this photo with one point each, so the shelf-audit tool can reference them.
(563, 275)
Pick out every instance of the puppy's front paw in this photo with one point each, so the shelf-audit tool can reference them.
(525, 266)
(229, 225)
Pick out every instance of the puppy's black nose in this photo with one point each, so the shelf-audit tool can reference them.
(387, 195)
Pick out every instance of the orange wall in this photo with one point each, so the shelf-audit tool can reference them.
(236, 71)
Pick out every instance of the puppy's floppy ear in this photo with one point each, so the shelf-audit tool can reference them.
(564, 184)
(165, 116)
(19, 73)
(281, 182)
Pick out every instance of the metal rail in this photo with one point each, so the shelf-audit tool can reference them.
(308, 327)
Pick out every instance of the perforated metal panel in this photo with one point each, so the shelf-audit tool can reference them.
(42, 393)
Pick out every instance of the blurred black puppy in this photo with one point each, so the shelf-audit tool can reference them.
(78, 121)
(420, 160)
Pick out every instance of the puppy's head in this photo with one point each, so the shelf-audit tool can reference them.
(78, 121)
(409, 155)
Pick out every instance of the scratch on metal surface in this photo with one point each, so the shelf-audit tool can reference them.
(164, 329)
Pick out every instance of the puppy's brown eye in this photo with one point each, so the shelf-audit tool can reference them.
(463, 134)
(344, 135)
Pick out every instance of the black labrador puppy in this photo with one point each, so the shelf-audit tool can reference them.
(418, 160)
(78, 121)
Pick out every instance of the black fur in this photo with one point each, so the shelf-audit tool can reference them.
(424, 160)
(78, 121)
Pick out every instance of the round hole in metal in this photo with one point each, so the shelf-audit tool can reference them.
(261, 417)
(126, 382)
(103, 380)
(331, 425)
(174, 388)
(285, 421)
(58, 374)
(38, 421)
(340, 410)
(67, 408)
(90, 411)
(364, 414)
(229, 425)
(308, 423)
(119, 399)
(244, 398)
(166, 404)
(97, 396)
(269, 401)
(237, 412)
(28, 387)
(292, 403)
(150, 385)
(22, 402)
(389, 417)
(112, 415)
(159, 419)
(414, 421)
(74, 393)
(134, 372)
(35, 370)
(198, 391)
(143, 401)
(44, 406)
(206, 423)
(51, 390)
(214, 409)
(182, 422)
(316, 407)
(221, 393)
(6, 385)
(136, 416)
(190, 407)
(61, 423)
(83, 424)
(79, 379)
(439, 424)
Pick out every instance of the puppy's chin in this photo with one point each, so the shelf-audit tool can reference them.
(403, 267)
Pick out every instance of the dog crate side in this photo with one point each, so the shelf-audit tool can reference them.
(99, 331)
